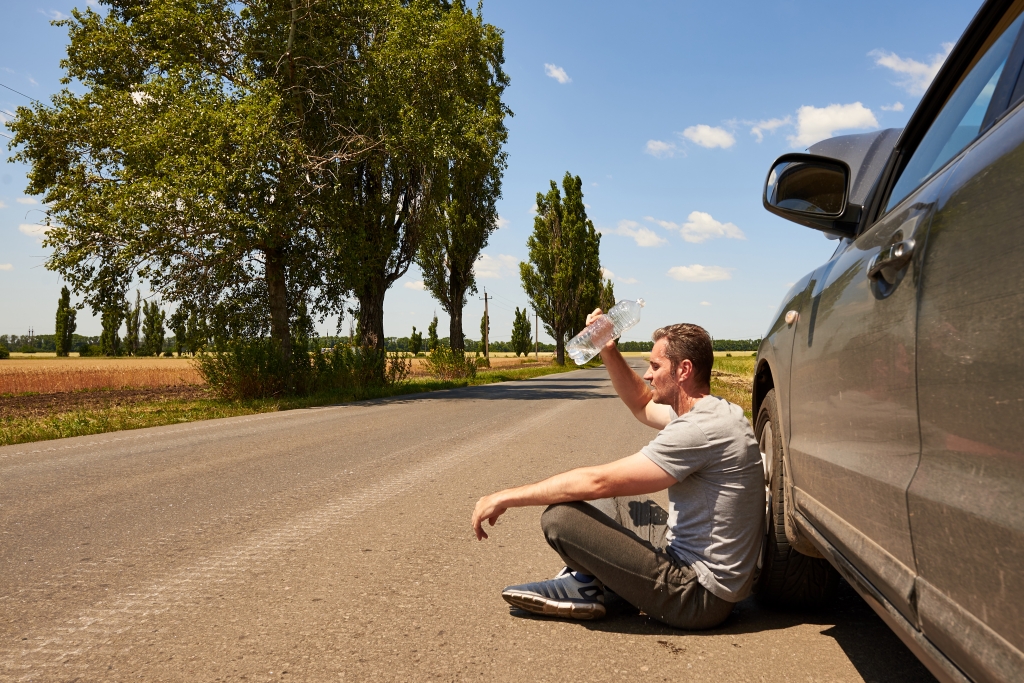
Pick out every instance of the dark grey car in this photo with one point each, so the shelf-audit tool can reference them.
(889, 391)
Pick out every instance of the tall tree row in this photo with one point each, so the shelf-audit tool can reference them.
(254, 161)
(563, 276)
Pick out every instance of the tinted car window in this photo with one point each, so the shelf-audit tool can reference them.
(959, 121)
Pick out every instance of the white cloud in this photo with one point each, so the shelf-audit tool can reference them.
(501, 222)
(414, 284)
(709, 137)
(6, 266)
(898, 106)
(2, 205)
(916, 76)
(759, 128)
(645, 237)
(557, 73)
(533, 209)
(54, 14)
(627, 280)
(32, 81)
(609, 275)
(659, 148)
(138, 97)
(26, 200)
(814, 124)
(33, 230)
(496, 267)
(701, 227)
(705, 303)
(699, 273)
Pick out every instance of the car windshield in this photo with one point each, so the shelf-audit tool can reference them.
(961, 117)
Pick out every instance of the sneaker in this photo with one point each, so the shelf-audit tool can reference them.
(562, 596)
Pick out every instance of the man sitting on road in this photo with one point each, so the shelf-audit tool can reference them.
(689, 572)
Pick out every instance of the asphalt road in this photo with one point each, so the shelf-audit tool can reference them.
(334, 544)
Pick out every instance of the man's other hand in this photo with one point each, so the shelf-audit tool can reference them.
(489, 509)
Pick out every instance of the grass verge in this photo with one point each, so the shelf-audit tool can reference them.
(157, 413)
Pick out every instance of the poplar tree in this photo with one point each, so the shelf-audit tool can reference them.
(66, 324)
(153, 328)
(607, 296)
(522, 339)
(415, 341)
(563, 276)
(133, 325)
(432, 334)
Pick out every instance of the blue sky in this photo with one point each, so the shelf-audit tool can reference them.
(671, 113)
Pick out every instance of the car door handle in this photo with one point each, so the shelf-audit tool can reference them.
(891, 260)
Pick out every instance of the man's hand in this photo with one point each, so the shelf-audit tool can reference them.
(489, 509)
(594, 316)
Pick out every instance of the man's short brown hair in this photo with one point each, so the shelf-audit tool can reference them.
(689, 342)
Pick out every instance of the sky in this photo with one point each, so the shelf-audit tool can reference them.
(670, 112)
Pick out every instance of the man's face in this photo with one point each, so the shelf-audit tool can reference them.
(664, 382)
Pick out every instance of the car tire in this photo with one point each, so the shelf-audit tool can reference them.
(787, 578)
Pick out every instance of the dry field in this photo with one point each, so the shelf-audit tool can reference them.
(62, 375)
(503, 362)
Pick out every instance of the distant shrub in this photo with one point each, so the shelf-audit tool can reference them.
(483, 362)
(255, 368)
(446, 364)
(27, 349)
(4, 351)
(89, 350)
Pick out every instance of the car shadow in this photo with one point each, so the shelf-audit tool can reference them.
(871, 646)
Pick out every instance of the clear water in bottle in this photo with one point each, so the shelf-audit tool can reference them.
(611, 325)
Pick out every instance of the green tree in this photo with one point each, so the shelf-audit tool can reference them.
(485, 332)
(434, 80)
(110, 339)
(133, 326)
(177, 324)
(522, 339)
(66, 324)
(432, 334)
(153, 328)
(563, 276)
(607, 296)
(415, 341)
(465, 213)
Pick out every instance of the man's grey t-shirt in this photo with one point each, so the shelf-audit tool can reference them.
(716, 510)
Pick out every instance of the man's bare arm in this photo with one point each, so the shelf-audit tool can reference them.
(631, 476)
(631, 389)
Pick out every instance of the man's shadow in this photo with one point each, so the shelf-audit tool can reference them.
(871, 646)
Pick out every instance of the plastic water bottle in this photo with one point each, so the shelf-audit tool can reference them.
(611, 325)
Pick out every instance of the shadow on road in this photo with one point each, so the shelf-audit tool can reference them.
(873, 649)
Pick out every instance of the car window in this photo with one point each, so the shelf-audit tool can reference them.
(959, 121)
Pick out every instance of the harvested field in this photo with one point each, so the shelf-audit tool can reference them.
(419, 365)
(63, 375)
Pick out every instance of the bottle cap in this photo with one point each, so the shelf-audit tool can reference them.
(641, 302)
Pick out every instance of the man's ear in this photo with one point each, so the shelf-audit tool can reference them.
(684, 370)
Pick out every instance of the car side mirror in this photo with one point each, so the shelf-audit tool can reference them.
(814, 191)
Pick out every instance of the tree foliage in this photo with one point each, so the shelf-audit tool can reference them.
(522, 339)
(563, 276)
(432, 334)
(66, 325)
(415, 341)
(249, 159)
(153, 329)
(133, 326)
(607, 299)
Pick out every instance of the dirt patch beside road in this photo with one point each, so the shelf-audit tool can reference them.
(45, 405)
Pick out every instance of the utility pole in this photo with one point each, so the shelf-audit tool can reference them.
(487, 323)
(536, 336)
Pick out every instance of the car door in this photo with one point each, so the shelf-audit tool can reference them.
(855, 440)
(854, 443)
(967, 498)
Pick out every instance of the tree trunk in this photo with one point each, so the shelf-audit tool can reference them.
(371, 313)
(457, 299)
(277, 291)
(559, 347)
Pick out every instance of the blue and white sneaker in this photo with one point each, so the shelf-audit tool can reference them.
(563, 596)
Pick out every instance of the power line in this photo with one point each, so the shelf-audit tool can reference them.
(20, 93)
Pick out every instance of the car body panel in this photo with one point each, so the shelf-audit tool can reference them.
(855, 442)
(967, 498)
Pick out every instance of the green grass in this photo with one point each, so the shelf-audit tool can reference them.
(736, 388)
(154, 414)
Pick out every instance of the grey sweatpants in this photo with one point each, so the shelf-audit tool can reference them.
(621, 541)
